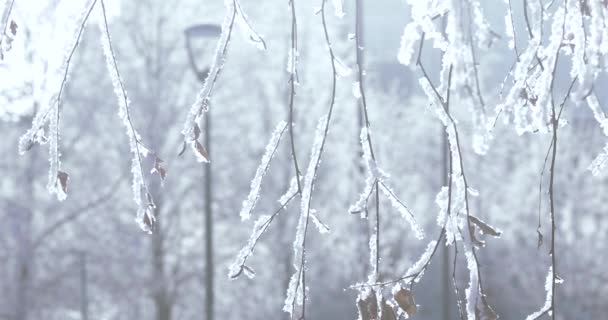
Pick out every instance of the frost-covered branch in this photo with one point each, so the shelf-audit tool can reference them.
(256, 183)
(465, 32)
(296, 291)
(141, 195)
(292, 68)
(191, 130)
(453, 200)
(4, 24)
(261, 225)
(50, 116)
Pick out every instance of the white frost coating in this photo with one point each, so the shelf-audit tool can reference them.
(373, 256)
(234, 13)
(406, 48)
(292, 60)
(239, 262)
(295, 288)
(342, 70)
(599, 164)
(293, 189)
(137, 151)
(312, 170)
(322, 227)
(403, 210)
(292, 298)
(241, 20)
(256, 182)
(374, 175)
(509, 29)
(361, 203)
(370, 163)
(50, 113)
(473, 192)
(549, 289)
(201, 104)
(338, 8)
(54, 156)
(472, 292)
(416, 270)
(357, 89)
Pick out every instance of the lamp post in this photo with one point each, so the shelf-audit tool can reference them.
(203, 32)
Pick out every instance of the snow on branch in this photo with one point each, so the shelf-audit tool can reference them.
(234, 14)
(7, 32)
(50, 115)
(548, 299)
(256, 182)
(141, 195)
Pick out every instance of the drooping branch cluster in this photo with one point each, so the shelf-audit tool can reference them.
(302, 184)
(577, 32)
(45, 126)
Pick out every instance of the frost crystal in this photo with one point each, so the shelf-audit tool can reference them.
(472, 291)
(292, 60)
(338, 8)
(403, 210)
(322, 227)
(140, 195)
(234, 14)
(549, 289)
(357, 89)
(342, 70)
(295, 288)
(238, 266)
(50, 113)
(416, 270)
(599, 164)
(248, 33)
(256, 183)
(292, 191)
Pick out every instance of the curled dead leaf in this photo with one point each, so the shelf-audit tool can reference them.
(196, 131)
(158, 168)
(13, 28)
(62, 180)
(405, 300)
(29, 145)
(387, 312)
(201, 152)
(484, 227)
(183, 149)
(483, 311)
(368, 306)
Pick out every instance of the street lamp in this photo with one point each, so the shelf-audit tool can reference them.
(203, 32)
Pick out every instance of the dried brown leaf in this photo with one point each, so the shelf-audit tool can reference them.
(13, 28)
(158, 168)
(387, 312)
(484, 227)
(62, 180)
(483, 311)
(183, 149)
(197, 131)
(368, 307)
(201, 152)
(405, 300)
